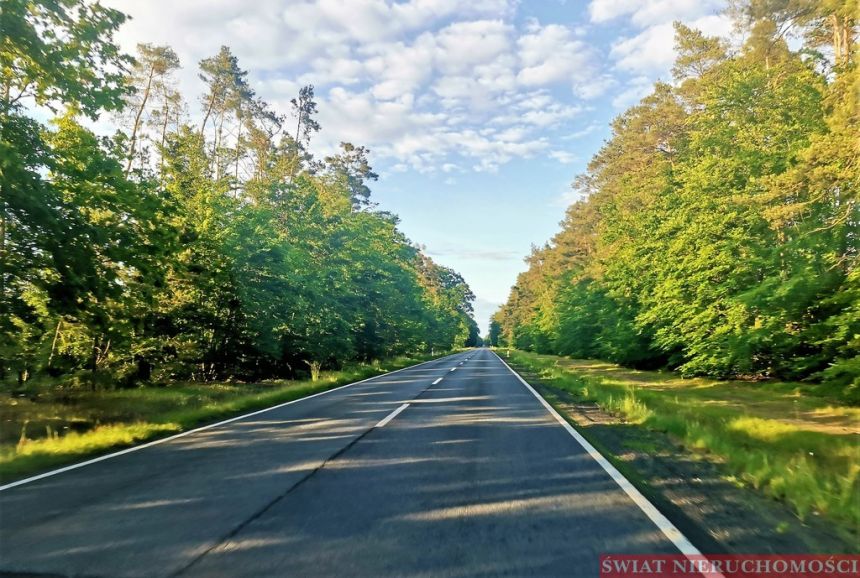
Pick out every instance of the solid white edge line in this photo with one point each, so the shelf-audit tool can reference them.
(71, 467)
(391, 416)
(437, 381)
(668, 528)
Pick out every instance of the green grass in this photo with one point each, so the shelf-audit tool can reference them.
(55, 427)
(787, 440)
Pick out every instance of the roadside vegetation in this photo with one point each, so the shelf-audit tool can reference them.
(717, 239)
(41, 429)
(792, 441)
(192, 264)
(718, 228)
(201, 241)
(198, 262)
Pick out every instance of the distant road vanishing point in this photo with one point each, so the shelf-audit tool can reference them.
(453, 467)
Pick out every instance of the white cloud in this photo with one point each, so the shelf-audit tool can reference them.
(550, 54)
(426, 84)
(567, 197)
(604, 10)
(552, 115)
(652, 50)
(594, 126)
(715, 25)
(553, 54)
(595, 86)
(564, 157)
(462, 46)
(635, 90)
(649, 12)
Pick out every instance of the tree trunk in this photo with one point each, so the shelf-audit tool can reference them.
(296, 157)
(218, 136)
(94, 363)
(238, 143)
(847, 33)
(2, 244)
(837, 41)
(208, 112)
(54, 342)
(3, 256)
(137, 117)
(161, 149)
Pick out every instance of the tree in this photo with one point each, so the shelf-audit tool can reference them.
(304, 109)
(52, 54)
(718, 235)
(353, 167)
(234, 257)
(150, 78)
(495, 333)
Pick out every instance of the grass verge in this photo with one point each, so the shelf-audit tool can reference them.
(783, 439)
(58, 427)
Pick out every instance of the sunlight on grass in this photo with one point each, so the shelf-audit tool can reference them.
(780, 438)
(32, 455)
(768, 430)
(100, 438)
(56, 427)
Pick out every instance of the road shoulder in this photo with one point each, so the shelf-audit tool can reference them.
(690, 489)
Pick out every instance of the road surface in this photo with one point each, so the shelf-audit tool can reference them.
(473, 477)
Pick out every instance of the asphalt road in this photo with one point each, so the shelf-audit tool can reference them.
(473, 477)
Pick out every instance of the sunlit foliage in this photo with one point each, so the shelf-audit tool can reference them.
(718, 233)
(179, 250)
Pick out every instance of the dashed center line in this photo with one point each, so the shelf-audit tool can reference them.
(392, 415)
(453, 369)
(437, 381)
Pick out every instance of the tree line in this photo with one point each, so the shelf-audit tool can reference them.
(719, 228)
(188, 249)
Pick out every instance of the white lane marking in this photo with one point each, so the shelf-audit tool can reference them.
(391, 415)
(668, 528)
(453, 369)
(199, 429)
(437, 381)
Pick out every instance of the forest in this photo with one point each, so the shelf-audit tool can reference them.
(202, 240)
(718, 227)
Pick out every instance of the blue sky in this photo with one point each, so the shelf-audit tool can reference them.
(478, 113)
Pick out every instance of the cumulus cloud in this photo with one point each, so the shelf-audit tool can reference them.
(649, 50)
(648, 12)
(426, 84)
(653, 49)
(551, 54)
(635, 89)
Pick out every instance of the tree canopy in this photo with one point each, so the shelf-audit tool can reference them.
(718, 227)
(188, 250)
